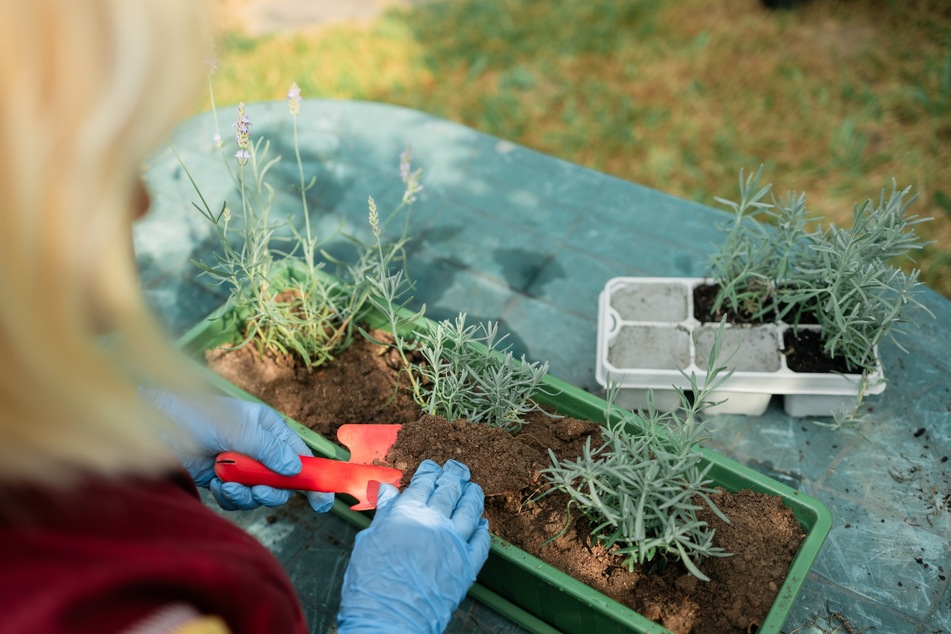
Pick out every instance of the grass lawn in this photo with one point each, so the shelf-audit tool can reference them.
(836, 97)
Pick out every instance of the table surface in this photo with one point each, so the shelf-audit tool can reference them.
(511, 235)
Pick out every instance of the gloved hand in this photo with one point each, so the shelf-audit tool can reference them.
(415, 562)
(227, 424)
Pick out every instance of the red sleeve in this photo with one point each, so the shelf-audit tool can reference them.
(98, 557)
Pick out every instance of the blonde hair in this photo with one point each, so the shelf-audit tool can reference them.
(88, 90)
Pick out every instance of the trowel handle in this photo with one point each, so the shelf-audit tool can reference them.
(317, 474)
(231, 466)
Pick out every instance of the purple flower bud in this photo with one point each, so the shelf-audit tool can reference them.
(406, 158)
(293, 99)
(242, 127)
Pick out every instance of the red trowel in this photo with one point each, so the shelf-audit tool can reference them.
(358, 477)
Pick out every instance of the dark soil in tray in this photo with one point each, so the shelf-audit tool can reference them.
(704, 299)
(359, 387)
(804, 353)
(803, 348)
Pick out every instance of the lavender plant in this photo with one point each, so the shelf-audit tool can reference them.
(279, 315)
(469, 373)
(386, 288)
(741, 265)
(842, 277)
(309, 312)
(755, 255)
(466, 371)
(859, 298)
(462, 371)
(641, 488)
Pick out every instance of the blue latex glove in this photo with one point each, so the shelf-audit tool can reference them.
(411, 568)
(227, 424)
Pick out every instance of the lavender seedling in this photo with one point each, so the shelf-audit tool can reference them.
(641, 488)
(386, 289)
(843, 278)
(859, 297)
(469, 373)
(297, 316)
(310, 313)
(755, 257)
(741, 265)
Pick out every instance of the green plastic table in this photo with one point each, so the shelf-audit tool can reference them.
(507, 234)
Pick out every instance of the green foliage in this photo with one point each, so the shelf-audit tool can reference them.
(666, 94)
(841, 277)
(848, 146)
(387, 290)
(468, 373)
(751, 256)
(277, 285)
(859, 298)
(496, 34)
(643, 486)
(301, 319)
(936, 102)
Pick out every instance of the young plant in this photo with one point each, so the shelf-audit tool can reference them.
(298, 314)
(741, 264)
(843, 278)
(385, 287)
(467, 373)
(641, 488)
(294, 307)
(754, 256)
(859, 298)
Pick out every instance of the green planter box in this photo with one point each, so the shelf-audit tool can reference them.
(529, 591)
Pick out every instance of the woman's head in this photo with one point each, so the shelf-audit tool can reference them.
(87, 90)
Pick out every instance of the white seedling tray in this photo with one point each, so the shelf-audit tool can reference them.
(647, 335)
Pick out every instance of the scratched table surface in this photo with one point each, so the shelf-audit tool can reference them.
(511, 235)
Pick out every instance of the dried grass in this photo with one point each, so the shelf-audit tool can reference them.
(835, 97)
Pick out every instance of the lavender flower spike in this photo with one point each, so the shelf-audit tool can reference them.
(406, 158)
(409, 177)
(374, 217)
(293, 99)
(242, 128)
